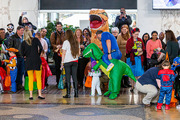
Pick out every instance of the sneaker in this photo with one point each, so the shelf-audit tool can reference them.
(167, 107)
(178, 107)
(110, 67)
(159, 105)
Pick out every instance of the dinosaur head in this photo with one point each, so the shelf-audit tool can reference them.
(92, 50)
(98, 20)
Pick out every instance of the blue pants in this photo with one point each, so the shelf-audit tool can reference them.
(13, 74)
(114, 55)
(20, 72)
(165, 91)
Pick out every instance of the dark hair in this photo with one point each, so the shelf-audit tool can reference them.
(99, 32)
(38, 34)
(42, 29)
(170, 36)
(88, 31)
(58, 23)
(73, 43)
(19, 27)
(135, 30)
(2, 29)
(10, 24)
(144, 35)
(154, 32)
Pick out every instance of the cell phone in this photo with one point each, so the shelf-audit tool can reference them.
(24, 13)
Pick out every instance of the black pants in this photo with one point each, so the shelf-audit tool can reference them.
(71, 69)
(82, 62)
(57, 60)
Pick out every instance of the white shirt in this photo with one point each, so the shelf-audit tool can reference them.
(68, 56)
(45, 47)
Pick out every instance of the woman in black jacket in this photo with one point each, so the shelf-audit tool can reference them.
(31, 49)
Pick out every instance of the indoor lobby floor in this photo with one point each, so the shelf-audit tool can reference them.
(127, 106)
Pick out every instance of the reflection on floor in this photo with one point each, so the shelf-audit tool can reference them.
(127, 106)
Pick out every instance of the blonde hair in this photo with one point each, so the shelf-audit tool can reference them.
(28, 37)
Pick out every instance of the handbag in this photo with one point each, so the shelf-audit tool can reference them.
(88, 82)
(60, 84)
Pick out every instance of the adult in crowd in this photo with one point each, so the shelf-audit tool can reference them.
(122, 41)
(145, 39)
(147, 84)
(115, 32)
(3, 36)
(151, 48)
(134, 52)
(172, 46)
(10, 28)
(82, 62)
(87, 35)
(122, 19)
(15, 42)
(161, 37)
(57, 39)
(24, 21)
(43, 35)
(70, 54)
(43, 43)
(31, 49)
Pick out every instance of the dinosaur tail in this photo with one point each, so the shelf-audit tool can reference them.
(129, 73)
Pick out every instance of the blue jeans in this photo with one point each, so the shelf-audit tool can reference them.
(13, 74)
(165, 91)
(20, 72)
(114, 55)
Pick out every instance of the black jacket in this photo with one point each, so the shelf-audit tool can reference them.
(24, 24)
(123, 21)
(32, 54)
(15, 42)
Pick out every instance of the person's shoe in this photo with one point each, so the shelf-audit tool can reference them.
(110, 67)
(75, 95)
(66, 96)
(159, 105)
(167, 107)
(147, 105)
(40, 97)
(30, 98)
(178, 107)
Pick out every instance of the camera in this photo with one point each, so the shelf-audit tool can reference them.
(122, 13)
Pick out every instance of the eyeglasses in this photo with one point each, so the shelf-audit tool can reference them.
(10, 27)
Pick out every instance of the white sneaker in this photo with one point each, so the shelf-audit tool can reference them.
(178, 107)
(110, 67)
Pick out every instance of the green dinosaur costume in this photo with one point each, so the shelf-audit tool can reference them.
(115, 75)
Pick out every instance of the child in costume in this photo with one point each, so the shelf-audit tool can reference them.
(177, 86)
(176, 63)
(12, 65)
(95, 82)
(165, 84)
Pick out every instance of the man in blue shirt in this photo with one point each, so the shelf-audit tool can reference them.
(147, 84)
(110, 48)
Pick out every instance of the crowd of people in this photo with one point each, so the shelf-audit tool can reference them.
(23, 51)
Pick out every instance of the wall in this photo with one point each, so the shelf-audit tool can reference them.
(10, 10)
(159, 20)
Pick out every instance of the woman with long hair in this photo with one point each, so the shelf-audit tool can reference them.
(70, 54)
(82, 62)
(122, 41)
(172, 46)
(145, 39)
(31, 49)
